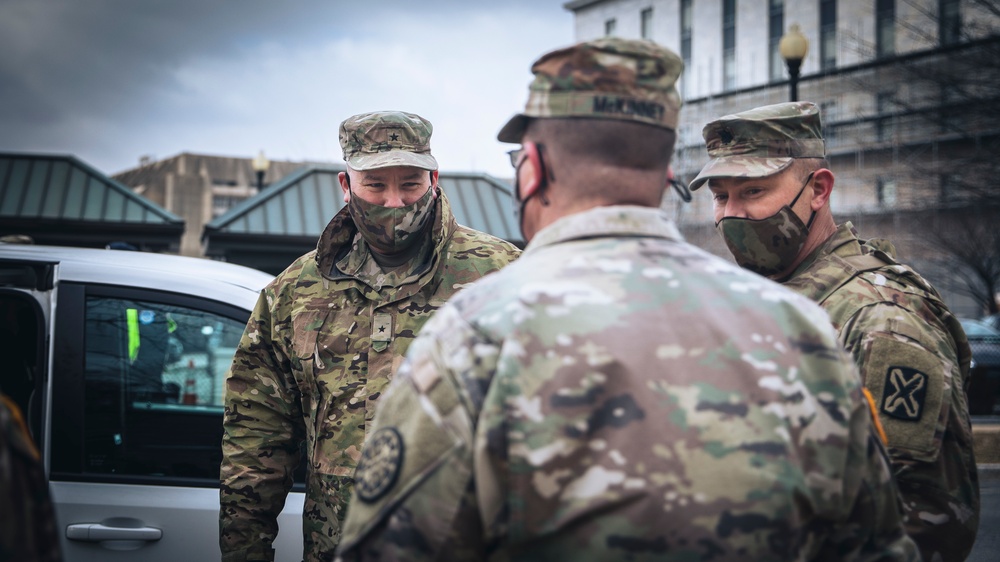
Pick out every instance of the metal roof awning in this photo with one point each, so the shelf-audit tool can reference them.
(58, 199)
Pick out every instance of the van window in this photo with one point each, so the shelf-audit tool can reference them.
(153, 382)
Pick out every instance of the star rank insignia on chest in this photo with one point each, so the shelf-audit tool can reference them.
(382, 327)
(904, 394)
(380, 464)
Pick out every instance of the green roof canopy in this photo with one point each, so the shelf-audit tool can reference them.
(60, 199)
(302, 204)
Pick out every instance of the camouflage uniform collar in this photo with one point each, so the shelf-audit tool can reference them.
(616, 220)
(836, 261)
(843, 242)
(361, 264)
(338, 240)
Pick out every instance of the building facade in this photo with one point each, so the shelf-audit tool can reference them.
(201, 187)
(907, 91)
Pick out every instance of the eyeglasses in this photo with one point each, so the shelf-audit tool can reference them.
(515, 156)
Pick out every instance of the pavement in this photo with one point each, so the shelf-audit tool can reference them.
(987, 547)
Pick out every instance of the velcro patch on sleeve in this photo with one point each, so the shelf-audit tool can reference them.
(380, 464)
(909, 385)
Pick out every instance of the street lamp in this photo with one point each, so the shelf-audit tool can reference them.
(260, 165)
(793, 48)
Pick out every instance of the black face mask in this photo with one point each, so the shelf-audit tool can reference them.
(770, 245)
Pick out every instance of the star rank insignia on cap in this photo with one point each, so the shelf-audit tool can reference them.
(380, 464)
(904, 393)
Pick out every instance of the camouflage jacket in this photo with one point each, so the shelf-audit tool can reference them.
(914, 358)
(619, 394)
(317, 353)
(28, 528)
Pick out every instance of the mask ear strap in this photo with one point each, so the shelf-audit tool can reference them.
(808, 179)
(545, 173)
(812, 216)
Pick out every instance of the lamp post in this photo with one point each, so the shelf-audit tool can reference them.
(793, 48)
(260, 164)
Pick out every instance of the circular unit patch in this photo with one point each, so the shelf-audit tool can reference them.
(380, 464)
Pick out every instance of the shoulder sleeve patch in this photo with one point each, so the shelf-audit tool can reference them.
(910, 385)
(904, 393)
(379, 466)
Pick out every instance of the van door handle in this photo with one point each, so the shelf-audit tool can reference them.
(96, 532)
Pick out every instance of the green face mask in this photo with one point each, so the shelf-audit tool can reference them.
(767, 246)
(391, 230)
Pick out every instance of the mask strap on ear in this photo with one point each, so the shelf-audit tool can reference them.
(812, 216)
(681, 190)
(808, 179)
(545, 174)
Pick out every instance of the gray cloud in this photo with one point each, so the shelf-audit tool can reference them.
(105, 78)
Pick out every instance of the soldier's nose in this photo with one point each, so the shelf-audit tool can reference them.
(735, 210)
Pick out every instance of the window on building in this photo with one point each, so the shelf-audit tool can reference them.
(885, 28)
(950, 108)
(222, 203)
(830, 136)
(885, 191)
(686, 45)
(949, 21)
(646, 23)
(830, 112)
(827, 34)
(729, 44)
(951, 185)
(883, 123)
(610, 26)
(776, 28)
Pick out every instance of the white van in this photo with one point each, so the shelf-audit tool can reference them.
(118, 360)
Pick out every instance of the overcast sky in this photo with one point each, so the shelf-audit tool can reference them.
(112, 80)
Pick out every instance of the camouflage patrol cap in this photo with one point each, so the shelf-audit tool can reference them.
(761, 142)
(609, 78)
(387, 138)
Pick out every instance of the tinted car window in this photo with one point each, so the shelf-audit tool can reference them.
(984, 378)
(153, 378)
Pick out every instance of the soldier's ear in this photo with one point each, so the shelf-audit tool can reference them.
(345, 185)
(530, 172)
(822, 187)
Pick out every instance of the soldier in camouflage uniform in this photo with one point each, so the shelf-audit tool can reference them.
(616, 393)
(771, 185)
(328, 333)
(27, 520)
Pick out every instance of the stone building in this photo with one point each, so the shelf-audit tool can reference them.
(200, 187)
(908, 92)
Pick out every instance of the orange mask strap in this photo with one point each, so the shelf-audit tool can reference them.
(878, 424)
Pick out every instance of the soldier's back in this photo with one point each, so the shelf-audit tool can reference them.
(653, 398)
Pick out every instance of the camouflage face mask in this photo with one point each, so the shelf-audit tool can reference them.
(390, 230)
(767, 246)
